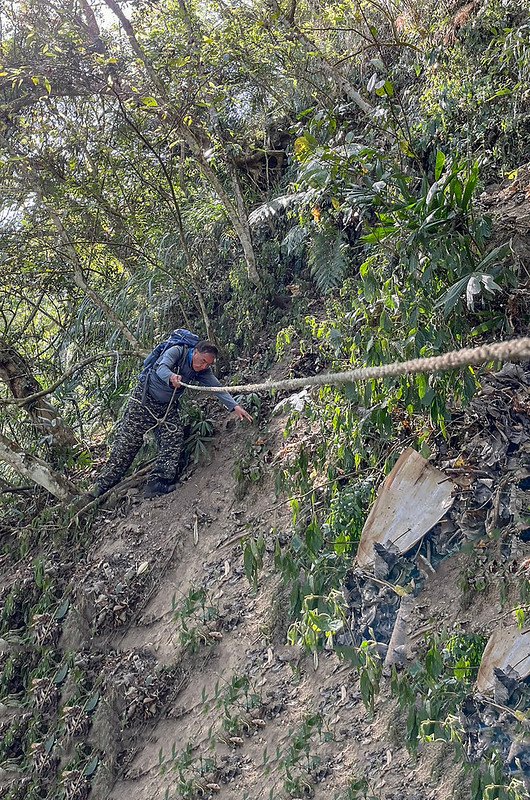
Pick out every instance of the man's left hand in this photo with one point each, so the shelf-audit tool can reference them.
(240, 413)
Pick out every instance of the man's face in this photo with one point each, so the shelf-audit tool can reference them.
(201, 361)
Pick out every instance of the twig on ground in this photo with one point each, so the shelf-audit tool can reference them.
(117, 490)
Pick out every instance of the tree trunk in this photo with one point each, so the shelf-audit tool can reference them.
(15, 373)
(35, 469)
(237, 214)
(243, 228)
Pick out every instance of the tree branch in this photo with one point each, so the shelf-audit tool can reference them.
(35, 469)
(76, 367)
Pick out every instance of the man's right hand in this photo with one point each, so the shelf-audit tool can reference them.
(175, 381)
(241, 413)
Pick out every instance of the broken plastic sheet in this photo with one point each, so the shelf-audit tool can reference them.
(412, 499)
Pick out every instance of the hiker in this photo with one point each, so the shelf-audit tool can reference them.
(154, 405)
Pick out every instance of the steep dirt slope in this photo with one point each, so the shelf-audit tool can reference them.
(171, 672)
(251, 715)
(200, 696)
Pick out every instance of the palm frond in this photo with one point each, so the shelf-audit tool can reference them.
(272, 207)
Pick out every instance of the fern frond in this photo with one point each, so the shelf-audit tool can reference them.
(327, 260)
(294, 240)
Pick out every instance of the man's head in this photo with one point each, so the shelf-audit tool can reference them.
(204, 355)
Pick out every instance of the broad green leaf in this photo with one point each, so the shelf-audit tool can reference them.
(494, 256)
(91, 703)
(62, 611)
(61, 674)
(520, 617)
(91, 767)
(451, 297)
(470, 188)
(440, 163)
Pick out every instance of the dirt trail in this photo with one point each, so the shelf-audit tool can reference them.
(201, 696)
(239, 714)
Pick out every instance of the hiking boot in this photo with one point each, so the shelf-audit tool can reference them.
(157, 487)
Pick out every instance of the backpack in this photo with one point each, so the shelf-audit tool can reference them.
(179, 336)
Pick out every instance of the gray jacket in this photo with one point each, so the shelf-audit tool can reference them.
(171, 363)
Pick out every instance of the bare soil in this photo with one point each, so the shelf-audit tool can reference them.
(211, 701)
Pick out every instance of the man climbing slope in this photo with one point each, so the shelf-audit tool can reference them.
(154, 406)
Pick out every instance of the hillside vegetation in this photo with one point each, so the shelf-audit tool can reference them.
(314, 187)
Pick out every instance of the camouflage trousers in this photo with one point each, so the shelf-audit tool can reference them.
(143, 415)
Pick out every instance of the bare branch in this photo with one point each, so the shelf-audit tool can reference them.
(35, 469)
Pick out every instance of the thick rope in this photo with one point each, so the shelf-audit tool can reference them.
(512, 350)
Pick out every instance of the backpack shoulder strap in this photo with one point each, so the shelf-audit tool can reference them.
(182, 358)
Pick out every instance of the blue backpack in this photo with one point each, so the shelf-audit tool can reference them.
(179, 336)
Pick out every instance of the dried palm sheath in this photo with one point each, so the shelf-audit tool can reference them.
(413, 498)
(507, 649)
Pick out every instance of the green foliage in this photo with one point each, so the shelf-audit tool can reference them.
(250, 468)
(520, 617)
(238, 702)
(320, 619)
(489, 782)
(472, 91)
(327, 260)
(200, 433)
(367, 661)
(129, 185)
(297, 763)
(328, 521)
(358, 789)
(433, 689)
(196, 616)
(253, 552)
(192, 775)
